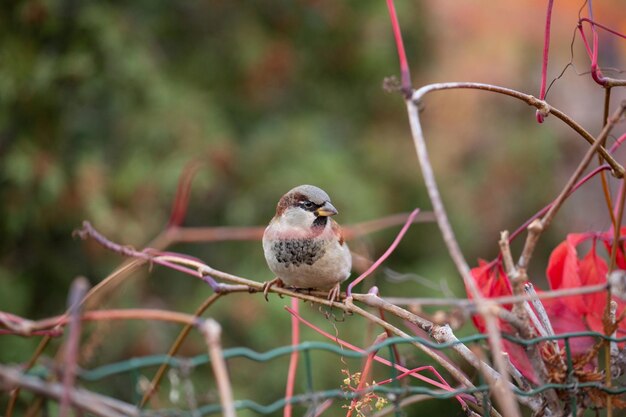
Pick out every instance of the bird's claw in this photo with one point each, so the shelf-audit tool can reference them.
(269, 284)
(334, 292)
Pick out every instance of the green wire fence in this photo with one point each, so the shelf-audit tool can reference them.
(312, 397)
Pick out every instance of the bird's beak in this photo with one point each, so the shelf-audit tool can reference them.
(326, 210)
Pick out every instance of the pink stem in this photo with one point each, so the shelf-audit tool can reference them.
(385, 255)
(412, 371)
(601, 26)
(546, 208)
(293, 359)
(445, 386)
(618, 143)
(367, 367)
(596, 74)
(581, 30)
(618, 199)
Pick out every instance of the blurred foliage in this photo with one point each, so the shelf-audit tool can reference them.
(102, 104)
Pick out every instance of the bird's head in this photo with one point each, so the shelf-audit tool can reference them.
(305, 206)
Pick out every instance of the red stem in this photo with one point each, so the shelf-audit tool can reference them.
(601, 26)
(581, 30)
(293, 359)
(404, 64)
(546, 208)
(367, 367)
(181, 200)
(442, 385)
(617, 143)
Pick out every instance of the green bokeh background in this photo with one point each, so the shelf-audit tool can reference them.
(102, 105)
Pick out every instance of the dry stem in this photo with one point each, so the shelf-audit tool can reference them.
(212, 333)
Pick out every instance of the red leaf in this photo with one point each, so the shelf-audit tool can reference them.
(565, 320)
(491, 282)
(593, 270)
(607, 239)
(564, 269)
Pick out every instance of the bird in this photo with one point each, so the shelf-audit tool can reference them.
(303, 246)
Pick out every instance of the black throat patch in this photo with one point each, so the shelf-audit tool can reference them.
(318, 225)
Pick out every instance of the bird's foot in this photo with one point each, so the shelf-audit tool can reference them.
(269, 284)
(334, 292)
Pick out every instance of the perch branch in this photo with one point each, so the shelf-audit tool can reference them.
(195, 268)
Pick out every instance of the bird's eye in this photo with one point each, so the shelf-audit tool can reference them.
(307, 205)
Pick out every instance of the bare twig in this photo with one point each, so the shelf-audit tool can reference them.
(30, 326)
(542, 314)
(520, 310)
(618, 170)
(81, 399)
(508, 299)
(212, 334)
(544, 64)
(508, 400)
(613, 346)
(174, 349)
(78, 290)
(596, 146)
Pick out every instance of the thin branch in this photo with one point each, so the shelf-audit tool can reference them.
(544, 320)
(156, 380)
(99, 405)
(212, 333)
(508, 399)
(502, 391)
(545, 209)
(77, 292)
(520, 311)
(28, 326)
(183, 191)
(597, 144)
(441, 334)
(618, 170)
(544, 62)
(471, 304)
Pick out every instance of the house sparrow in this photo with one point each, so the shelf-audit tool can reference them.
(303, 246)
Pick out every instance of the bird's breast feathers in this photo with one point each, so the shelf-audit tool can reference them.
(303, 260)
